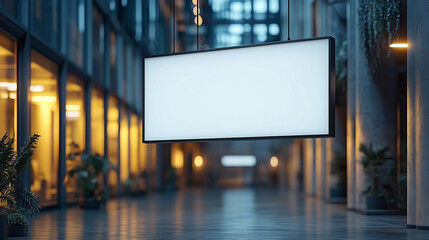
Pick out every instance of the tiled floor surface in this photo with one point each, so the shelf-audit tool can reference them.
(219, 214)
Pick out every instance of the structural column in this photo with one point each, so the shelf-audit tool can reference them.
(411, 150)
(351, 67)
(419, 74)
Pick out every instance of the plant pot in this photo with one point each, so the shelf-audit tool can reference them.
(17, 230)
(3, 226)
(375, 202)
(338, 192)
(89, 203)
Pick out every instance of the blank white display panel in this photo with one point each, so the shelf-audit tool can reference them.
(274, 90)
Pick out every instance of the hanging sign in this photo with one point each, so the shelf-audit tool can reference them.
(274, 90)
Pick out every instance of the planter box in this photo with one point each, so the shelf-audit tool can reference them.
(16, 230)
(375, 202)
(89, 203)
(3, 226)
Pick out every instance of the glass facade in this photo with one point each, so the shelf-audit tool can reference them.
(113, 56)
(97, 122)
(98, 41)
(124, 143)
(134, 150)
(45, 22)
(75, 130)
(44, 121)
(76, 30)
(113, 141)
(78, 55)
(8, 86)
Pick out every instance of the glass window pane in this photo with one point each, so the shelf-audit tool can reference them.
(125, 70)
(12, 7)
(113, 80)
(76, 30)
(75, 130)
(98, 45)
(134, 142)
(45, 22)
(97, 122)
(8, 86)
(44, 121)
(112, 134)
(124, 146)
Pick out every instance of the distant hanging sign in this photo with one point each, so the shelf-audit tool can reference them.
(274, 90)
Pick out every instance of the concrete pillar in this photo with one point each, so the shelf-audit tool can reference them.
(411, 121)
(352, 33)
(375, 112)
(419, 75)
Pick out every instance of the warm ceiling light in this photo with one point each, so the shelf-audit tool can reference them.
(4, 95)
(9, 86)
(274, 161)
(198, 161)
(12, 95)
(73, 115)
(43, 99)
(72, 107)
(37, 88)
(398, 45)
(198, 20)
(196, 10)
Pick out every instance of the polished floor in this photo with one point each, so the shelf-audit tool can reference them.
(219, 214)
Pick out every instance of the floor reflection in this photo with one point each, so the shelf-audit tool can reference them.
(219, 214)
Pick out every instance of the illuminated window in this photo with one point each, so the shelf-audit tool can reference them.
(8, 86)
(44, 121)
(112, 135)
(124, 145)
(134, 143)
(75, 130)
(97, 122)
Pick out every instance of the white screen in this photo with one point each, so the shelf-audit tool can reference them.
(259, 91)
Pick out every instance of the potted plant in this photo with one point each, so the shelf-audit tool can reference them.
(338, 169)
(373, 161)
(16, 200)
(88, 174)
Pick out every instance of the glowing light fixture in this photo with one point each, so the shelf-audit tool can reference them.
(12, 95)
(37, 88)
(398, 45)
(9, 86)
(238, 161)
(198, 161)
(43, 99)
(274, 161)
(196, 10)
(4, 95)
(72, 107)
(198, 20)
(73, 115)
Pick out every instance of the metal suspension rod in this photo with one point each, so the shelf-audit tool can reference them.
(288, 19)
(198, 23)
